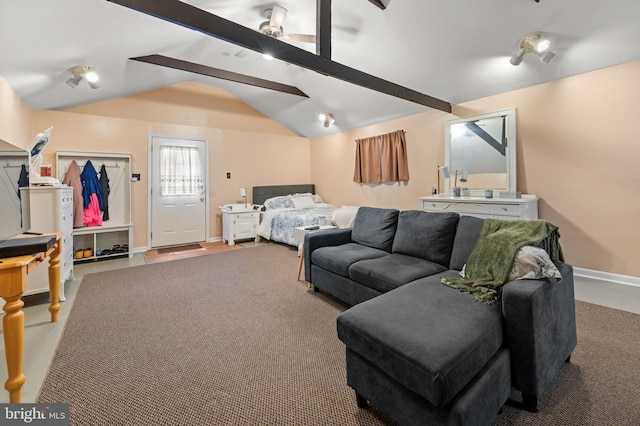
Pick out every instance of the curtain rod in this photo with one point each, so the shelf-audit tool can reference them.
(377, 136)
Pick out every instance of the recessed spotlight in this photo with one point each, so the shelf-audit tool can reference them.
(267, 56)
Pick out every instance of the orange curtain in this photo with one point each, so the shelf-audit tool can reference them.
(367, 169)
(381, 159)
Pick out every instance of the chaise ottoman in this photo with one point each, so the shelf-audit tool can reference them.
(427, 354)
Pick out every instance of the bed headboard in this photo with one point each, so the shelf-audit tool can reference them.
(262, 193)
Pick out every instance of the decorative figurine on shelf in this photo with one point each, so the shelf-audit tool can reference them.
(36, 168)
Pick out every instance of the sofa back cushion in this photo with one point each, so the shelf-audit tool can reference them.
(375, 227)
(426, 235)
(466, 236)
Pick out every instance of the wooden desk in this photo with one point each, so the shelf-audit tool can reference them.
(13, 282)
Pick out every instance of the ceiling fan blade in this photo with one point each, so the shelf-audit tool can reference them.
(277, 16)
(305, 38)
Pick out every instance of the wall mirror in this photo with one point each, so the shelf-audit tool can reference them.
(480, 153)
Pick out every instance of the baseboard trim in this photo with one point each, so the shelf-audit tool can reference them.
(607, 276)
(605, 289)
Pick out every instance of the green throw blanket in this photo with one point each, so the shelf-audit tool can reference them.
(490, 262)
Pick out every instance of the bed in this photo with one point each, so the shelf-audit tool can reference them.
(287, 207)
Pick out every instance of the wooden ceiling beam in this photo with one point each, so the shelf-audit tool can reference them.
(378, 3)
(323, 28)
(188, 16)
(181, 65)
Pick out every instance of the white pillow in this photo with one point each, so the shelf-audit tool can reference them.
(303, 202)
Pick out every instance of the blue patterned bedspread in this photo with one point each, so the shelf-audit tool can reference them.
(278, 224)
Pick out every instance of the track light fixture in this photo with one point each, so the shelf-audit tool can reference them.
(83, 71)
(327, 118)
(537, 43)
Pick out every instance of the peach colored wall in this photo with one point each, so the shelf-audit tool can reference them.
(577, 151)
(15, 117)
(333, 157)
(253, 156)
(191, 104)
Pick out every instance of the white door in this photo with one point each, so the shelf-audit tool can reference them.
(178, 191)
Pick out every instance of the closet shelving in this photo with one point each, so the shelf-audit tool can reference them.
(114, 238)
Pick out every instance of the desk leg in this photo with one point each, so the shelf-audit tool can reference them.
(301, 260)
(54, 281)
(13, 326)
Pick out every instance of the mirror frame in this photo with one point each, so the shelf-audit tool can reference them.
(510, 151)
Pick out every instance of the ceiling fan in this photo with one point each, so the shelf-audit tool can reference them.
(272, 27)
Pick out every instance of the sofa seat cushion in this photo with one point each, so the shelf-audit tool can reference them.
(338, 259)
(392, 271)
(429, 337)
(426, 235)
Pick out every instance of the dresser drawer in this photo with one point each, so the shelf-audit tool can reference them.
(504, 209)
(440, 206)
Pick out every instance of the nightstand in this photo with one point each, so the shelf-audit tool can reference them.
(239, 224)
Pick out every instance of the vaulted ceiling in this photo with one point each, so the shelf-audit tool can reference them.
(454, 51)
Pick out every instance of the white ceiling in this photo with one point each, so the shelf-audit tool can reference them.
(452, 50)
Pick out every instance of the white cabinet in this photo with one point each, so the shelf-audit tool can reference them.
(115, 236)
(51, 210)
(498, 208)
(239, 225)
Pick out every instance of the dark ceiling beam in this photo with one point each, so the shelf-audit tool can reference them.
(188, 16)
(323, 28)
(378, 3)
(181, 65)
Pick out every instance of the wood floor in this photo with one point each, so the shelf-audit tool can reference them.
(183, 252)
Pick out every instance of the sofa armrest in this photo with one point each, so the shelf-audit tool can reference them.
(314, 240)
(540, 329)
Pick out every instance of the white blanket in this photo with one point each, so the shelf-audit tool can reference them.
(343, 217)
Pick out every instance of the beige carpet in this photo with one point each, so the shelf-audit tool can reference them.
(234, 339)
(187, 251)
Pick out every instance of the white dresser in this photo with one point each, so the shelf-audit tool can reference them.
(239, 224)
(498, 208)
(51, 210)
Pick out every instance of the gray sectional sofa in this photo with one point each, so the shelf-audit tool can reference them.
(425, 353)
